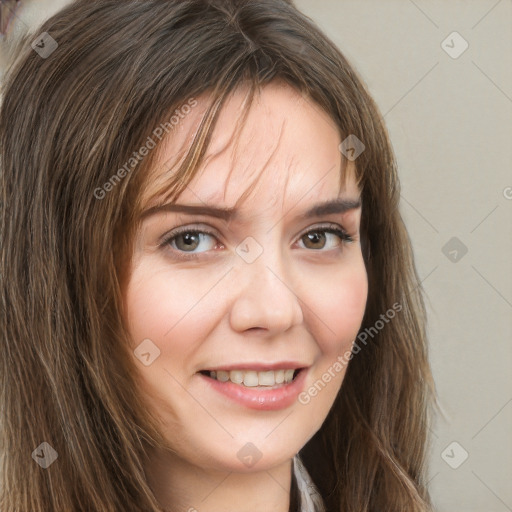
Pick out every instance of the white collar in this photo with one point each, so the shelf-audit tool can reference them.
(309, 497)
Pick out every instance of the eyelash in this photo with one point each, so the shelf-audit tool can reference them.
(330, 228)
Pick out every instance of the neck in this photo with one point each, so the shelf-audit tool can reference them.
(181, 486)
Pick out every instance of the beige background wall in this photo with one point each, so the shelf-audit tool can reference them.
(450, 120)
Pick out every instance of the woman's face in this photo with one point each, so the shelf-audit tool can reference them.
(271, 287)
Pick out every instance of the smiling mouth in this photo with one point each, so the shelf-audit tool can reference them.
(254, 379)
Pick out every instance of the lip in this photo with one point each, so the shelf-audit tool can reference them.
(261, 400)
(259, 367)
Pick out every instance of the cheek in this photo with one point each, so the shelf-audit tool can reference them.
(171, 310)
(339, 305)
(337, 312)
(149, 302)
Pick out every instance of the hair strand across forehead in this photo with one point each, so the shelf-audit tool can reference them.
(75, 130)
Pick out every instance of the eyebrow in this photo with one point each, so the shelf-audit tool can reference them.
(340, 205)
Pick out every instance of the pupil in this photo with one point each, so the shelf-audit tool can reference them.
(315, 237)
(189, 239)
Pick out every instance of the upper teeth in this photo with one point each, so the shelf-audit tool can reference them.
(251, 378)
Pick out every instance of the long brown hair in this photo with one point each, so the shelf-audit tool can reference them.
(69, 121)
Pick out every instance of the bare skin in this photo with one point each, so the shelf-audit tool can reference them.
(302, 299)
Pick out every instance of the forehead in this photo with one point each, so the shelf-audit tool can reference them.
(287, 147)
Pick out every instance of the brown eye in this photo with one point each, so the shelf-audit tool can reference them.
(314, 240)
(318, 239)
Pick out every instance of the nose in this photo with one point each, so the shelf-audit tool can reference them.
(265, 298)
